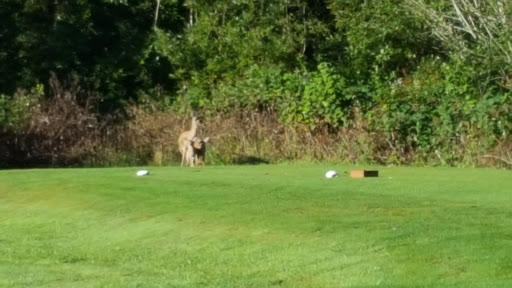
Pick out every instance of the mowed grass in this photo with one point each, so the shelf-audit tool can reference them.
(255, 226)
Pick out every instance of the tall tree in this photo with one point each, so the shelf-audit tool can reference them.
(106, 44)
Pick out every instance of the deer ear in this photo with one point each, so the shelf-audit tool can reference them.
(205, 140)
(194, 139)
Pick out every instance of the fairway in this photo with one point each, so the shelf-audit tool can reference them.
(255, 226)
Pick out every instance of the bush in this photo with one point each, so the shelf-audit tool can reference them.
(54, 131)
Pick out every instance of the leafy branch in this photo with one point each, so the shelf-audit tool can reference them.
(470, 22)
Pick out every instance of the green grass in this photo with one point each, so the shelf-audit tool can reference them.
(255, 226)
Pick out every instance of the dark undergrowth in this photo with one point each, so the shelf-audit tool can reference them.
(65, 132)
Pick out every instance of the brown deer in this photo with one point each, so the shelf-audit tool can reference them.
(200, 150)
(184, 141)
(196, 151)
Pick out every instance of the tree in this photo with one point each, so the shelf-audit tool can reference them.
(106, 44)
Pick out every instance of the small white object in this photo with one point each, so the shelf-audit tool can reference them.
(331, 174)
(142, 172)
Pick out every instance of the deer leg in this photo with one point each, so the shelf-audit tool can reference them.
(191, 159)
(183, 153)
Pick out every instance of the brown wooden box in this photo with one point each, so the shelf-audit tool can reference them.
(364, 173)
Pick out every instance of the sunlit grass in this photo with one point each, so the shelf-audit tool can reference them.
(255, 226)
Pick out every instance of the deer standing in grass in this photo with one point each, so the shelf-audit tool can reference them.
(196, 151)
(184, 141)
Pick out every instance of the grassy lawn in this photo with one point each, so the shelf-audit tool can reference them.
(255, 226)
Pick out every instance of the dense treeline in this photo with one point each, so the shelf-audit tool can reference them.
(388, 81)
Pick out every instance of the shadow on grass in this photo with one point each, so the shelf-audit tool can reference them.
(249, 160)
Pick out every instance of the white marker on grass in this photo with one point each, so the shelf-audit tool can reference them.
(331, 174)
(142, 172)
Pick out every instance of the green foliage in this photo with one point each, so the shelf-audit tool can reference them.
(103, 43)
(323, 100)
(258, 88)
(430, 80)
(381, 37)
(315, 98)
(437, 109)
(13, 110)
(476, 31)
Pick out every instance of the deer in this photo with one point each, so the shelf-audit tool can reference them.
(199, 147)
(184, 141)
(196, 151)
